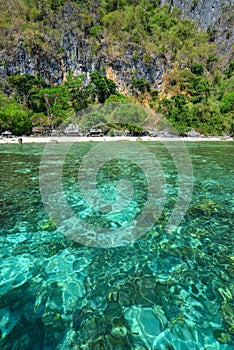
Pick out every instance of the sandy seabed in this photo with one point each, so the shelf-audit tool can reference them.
(59, 139)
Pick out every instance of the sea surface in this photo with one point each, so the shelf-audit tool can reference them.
(167, 290)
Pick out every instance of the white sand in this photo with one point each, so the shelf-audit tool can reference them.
(59, 139)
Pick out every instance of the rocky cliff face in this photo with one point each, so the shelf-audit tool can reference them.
(207, 12)
(214, 15)
(79, 57)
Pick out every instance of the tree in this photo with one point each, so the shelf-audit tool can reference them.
(199, 88)
(229, 71)
(57, 102)
(78, 94)
(227, 103)
(25, 85)
(197, 69)
(13, 117)
(93, 118)
(101, 87)
(40, 119)
(139, 85)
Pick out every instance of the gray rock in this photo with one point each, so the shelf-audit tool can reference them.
(167, 133)
(193, 133)
(214, 15)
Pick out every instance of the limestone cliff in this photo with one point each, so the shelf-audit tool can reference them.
(79, 56)
(217, 16)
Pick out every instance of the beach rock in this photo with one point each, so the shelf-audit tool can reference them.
(168, 133)
(193, 133)
(72, 130)
(152, 132)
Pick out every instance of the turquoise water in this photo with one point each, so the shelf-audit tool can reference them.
(165, 291)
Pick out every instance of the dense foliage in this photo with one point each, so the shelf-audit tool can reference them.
(199, 100)
(197, 89)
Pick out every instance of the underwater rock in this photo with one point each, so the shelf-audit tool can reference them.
(222, 336)
(48, 226)
(113, 310)
(227, 310)
(80, 316)
(126, 294)
(99, 290)
(17, 297)
(22, 267)
(98, 344)
(113, 296)
(144, 324)
(159, 313)
(46, 249)
(119, 332)
(72, 294)
(125, 299)
(98, 333)
(117, 343)
(25, 335)
(89, 328)
(225, 293)
(119, 336)
(144, 291)
(54, 320)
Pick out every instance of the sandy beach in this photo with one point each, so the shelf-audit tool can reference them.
(59, 139)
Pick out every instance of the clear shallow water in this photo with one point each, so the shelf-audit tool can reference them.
(165, 291)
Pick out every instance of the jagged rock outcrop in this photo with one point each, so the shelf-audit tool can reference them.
(206, 12)
(216, 16)
(78, 56)
(79, 59)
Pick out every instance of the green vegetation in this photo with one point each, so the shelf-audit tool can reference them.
(199, 100)
(197, 90)
(13, 117)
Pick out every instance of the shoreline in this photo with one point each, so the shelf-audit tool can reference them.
(59, 139)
